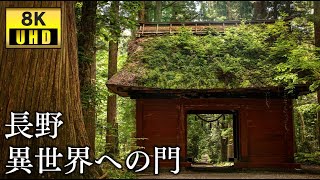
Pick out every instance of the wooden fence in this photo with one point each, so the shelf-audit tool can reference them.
(153, 28)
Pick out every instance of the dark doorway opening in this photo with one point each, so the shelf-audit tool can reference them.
(212, 138)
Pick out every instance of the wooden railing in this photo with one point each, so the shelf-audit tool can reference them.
(153, 28)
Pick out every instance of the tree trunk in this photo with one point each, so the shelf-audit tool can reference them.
(175, 7)
(141, 13)
(228, 7)
(316, 5)
(203, 11)
(230, 145)
(259, 10)
(288, 7)
(111, 138)
(147, 13)
(224, 150)
(303, 129)
(87, 67)
(158, 12)
(275, 10)
(42, 80)
(224, 144)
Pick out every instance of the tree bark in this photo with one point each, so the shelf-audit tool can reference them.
(175, 7)
(224, 144)
(228, 7)
(275, 10)
(42, 80)
(259, 10)
(288, 8)
(141, 13)
(230, 146)
(303, 129)
(112, 142)
(147, 13)
(203, 11)
(87, 67)
(316, 5)
(158, 11)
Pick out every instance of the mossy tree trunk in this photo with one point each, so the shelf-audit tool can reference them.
(112, 129)
(148, 11)
(42, 80)
(259, 10)
(175, 11)
(275, 10)
(288, 8)
(228, 8)
(224, 143)
(302, 127)
(87, 67)
(158, 11)
(141, 13)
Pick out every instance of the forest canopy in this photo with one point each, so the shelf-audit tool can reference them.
(261, 55)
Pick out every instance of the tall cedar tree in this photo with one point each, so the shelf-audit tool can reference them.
(175, 8)
(87, 66)
(141, 13)
(259, 10)
(158, 11)
(228, 8)
(111, 137)
(224, 142)
(316, 5)
(42, 80)
(148, 11)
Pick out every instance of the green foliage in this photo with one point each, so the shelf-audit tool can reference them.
(88, 95)
(246, 56)
(78, 6)
(179, 11)
(182, 11)
(101, 101)
(305, 118)
(204, 141)
(126, 121)
(125, 108)
(207, 10)
(195, 134)
(308, 158)
(114, 173)
(126, 20)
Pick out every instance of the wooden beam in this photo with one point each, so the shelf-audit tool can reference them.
(147, 93)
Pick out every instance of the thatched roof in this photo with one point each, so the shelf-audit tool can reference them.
(133, 69)
(128, 81)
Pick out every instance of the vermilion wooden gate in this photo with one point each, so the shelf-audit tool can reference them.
(265, 128)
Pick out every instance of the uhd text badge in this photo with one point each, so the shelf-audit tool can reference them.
(33, 27)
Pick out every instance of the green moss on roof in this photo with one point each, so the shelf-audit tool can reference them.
(245, 56)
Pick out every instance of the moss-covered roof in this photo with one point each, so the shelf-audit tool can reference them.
(249, 56)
